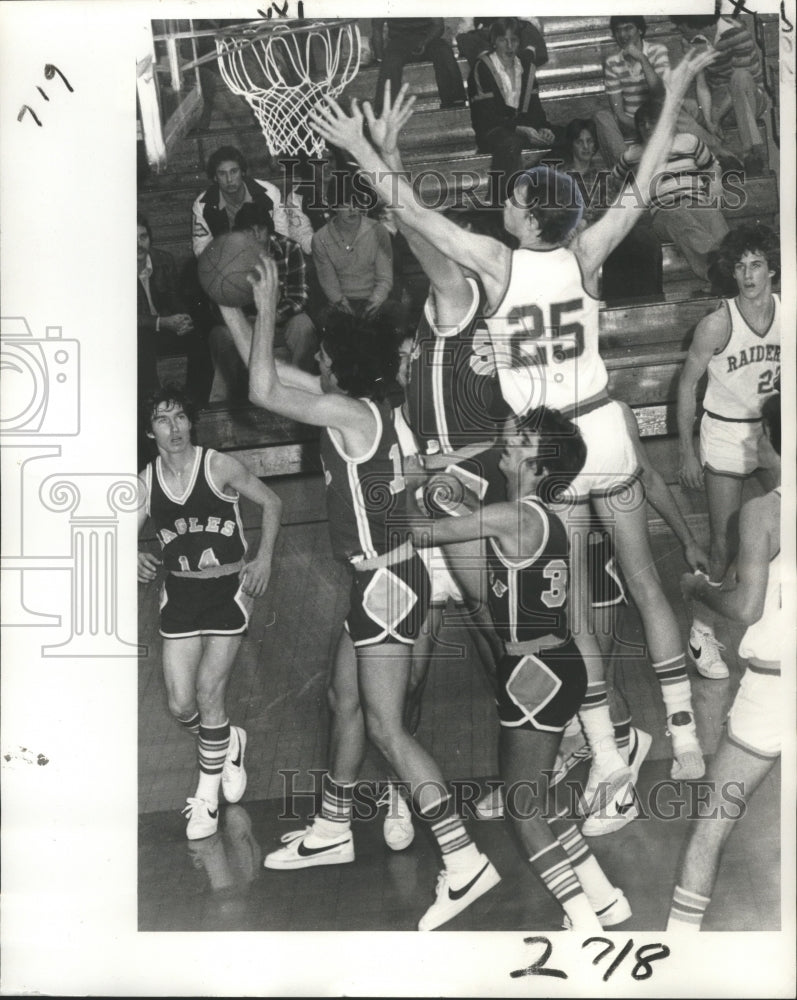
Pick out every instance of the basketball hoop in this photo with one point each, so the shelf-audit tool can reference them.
(283, 71)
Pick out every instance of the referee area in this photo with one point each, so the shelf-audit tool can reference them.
(277, 689)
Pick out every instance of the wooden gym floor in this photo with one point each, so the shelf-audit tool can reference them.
(277, 694)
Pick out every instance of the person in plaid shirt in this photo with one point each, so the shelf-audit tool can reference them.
(295, 336)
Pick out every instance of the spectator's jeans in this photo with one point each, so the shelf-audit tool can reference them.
(398, 51)
(749, 104)
(295, 341)
(694, 230)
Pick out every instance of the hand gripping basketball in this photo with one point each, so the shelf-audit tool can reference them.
(265, 283)
(224, 266)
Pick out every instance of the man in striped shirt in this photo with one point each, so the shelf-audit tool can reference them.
(734, 81)
(637, 73)
(685, 196)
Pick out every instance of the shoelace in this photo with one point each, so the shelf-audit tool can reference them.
(191, 804)
(288, 838)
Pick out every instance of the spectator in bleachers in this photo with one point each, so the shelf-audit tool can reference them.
(634, 270)
(686, 196)
(294, 337)
(505, 115)
(733, 82)
(476, 41)
(412, 39)
(637, 73)
(353, 257)
(231, 188)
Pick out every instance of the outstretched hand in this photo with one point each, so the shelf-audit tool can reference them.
(265, 285)
(693, 63)
(384, 130)
(331, 122)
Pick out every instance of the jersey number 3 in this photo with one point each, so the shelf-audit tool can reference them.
(556, 594)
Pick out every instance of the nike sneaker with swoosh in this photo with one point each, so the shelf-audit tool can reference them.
(304, 849)
(233, 774)
(202, 820)
(704, 649)
(453, 900)
(616, 911)
(617, 811)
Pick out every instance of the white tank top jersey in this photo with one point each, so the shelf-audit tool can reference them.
(545, 333)
(745, 371)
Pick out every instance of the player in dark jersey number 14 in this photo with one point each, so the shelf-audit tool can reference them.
(191, 496)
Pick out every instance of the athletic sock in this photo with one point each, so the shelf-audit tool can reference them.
(336, 805)
(554, 868)
(674, 681)
(687, 910)
(192, 724)
(599, 890)
(214, 742)
(622, 737)
(598, 729)
(460, 854)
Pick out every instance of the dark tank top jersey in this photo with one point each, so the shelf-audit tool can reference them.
(453, 398)
(366, 499)
(201, 530)
(528, 599)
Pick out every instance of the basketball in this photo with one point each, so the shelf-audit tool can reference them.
(223, 266)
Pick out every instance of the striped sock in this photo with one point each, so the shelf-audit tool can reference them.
(459, 852)
(554, 868)
(599, 731)
(622, 737)
(687, 910)
(675, 688)
(214, 742)
(336, 804)
(599, 890)
(192, 724)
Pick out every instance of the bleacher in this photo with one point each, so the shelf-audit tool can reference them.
(643, 344)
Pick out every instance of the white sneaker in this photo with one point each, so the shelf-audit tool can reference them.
(704, 649)
(397, 829)
(603, 785)
(297, 853)
(688, 763)
(615, 912)
(450, 901)
(202, 820)
(491, 805)
(233, 774)
(611, 814)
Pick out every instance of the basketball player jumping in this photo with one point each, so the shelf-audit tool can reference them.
(191, 494)
(543, 321)
(739, 346)
(389, 596)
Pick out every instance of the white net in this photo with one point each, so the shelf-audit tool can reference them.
(284, 71)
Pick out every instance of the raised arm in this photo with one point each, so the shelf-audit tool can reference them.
(595, 244)
(709, 337)
(230, 472)
(488, 257)
(267, 388)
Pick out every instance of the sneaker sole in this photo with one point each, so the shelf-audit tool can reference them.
(236, 796)
(711, 675)
(203, 835)
(489, 880)
(597, 826)
(400, 845)
(278, 864)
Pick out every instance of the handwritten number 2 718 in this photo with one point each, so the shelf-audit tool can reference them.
(642, 968)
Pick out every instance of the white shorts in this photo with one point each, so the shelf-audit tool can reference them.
(443, 585)
(756, 716)
(729, 448)
(611, 457)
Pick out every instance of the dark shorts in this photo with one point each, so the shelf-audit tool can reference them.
(216, 606)
(389, 604)
(541, 691)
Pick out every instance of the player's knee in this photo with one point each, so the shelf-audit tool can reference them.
(382, 732)
(181, 707)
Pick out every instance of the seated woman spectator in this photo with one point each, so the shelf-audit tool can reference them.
(635, 269)
(687, 198)
(505, 107)
(353, 257)
(473, 42)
